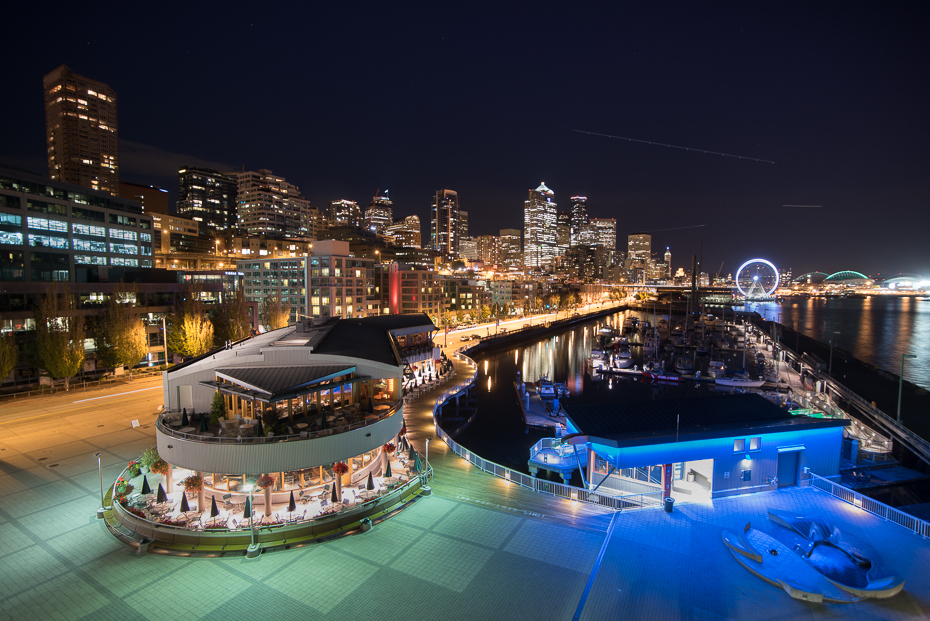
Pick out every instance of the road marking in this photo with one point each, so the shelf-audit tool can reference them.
(597, 565)
(117, 395)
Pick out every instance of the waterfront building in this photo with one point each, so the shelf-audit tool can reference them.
(268, 204)
(539, 229)
(409, 289)
(343, 212)
(405, 232)
(445, 227)
(208, 197)
(511, 255)
(709, 446)
(380, 214)
(465, 295)
(579, 218)
(284, 278)
(489, 250)
(81, 131)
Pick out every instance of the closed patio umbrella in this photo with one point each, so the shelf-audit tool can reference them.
(291, 505)
(371, 406)
(247, 512)
(334, 498)
(387, 471)
(185, 421)
(214, 510)
(145, 486)
(161, 497)
(412, 454)
(418, 464)
(371, 482)
(185, 507)
(260, 428)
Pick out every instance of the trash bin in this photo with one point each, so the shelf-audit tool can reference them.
(669, 503)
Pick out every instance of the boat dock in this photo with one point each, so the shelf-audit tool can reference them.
(535, 412)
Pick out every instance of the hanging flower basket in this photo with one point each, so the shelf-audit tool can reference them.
(193, 483)
(133, 469)
(265, 481)
(340, 467)
(160, 466)
(123, 487)
(389, 447)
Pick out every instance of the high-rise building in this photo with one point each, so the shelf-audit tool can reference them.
(406, 232)
(563, 232)
(468, 249)
(344, 213)
(81, 131)
(269, 204)
(380, 214)
(511, 256)
(153, 199)
(208, 197)
(539, 229)
(579, 217)
(341, 284)
(463, 224)
(606, 231)
(445, 228)
(638, 256)
(668, 263)
(489, 250)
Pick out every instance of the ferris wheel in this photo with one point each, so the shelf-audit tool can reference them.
(757, 278)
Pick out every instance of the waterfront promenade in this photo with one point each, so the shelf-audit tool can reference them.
(478, 548)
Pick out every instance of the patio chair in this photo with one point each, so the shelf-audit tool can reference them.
(290, 431)
(304, 434)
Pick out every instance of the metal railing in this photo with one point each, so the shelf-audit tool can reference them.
(560, 490)
(874, 507)
(81, 386)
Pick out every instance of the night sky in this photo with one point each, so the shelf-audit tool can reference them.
(344, 101)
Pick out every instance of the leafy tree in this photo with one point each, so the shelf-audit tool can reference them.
(275, 313)
(568, 299)
(190, 332)
(121, 336)
(231, 318)
(9, 354)
(460, 315)
(485, 312)
(59, 334)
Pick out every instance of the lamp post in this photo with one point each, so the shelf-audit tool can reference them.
(830, 371)
(425, 488)
(901, 382)
(252, 551)
(103, 508)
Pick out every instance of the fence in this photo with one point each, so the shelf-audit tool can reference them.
(569, 492)
(874, 507)
(79, 386)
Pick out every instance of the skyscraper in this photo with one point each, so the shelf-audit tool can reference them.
(269, 204)
(444, 224)
(539, 228)
(511, 257)
(81, 131)
(579, 217)
(606, 232)
(380, 214)
(344, 213)
(406, 232)
(639, 251)
(489, 249)
(463, 224)
(668, 263)
(208, 197)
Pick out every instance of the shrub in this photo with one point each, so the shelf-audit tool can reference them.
(217, 408)
(149, 457)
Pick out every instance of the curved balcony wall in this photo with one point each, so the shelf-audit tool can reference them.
(284, 455)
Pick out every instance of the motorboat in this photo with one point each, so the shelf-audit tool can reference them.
(683, 364)
(661, 377)
(562, 391)
(702, 350)
(621, 363)
(717, 368)
(545, 388)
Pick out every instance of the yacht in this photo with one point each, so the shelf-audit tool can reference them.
(739, 382)
(683, 364)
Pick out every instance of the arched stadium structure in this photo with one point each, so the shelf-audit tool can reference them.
(904, 281)
(847, 278)
(811, 278)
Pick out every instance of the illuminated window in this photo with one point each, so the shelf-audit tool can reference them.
(755, 444)
(739, 446)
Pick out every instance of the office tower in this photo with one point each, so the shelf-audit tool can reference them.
(380, 214)
(489, 250)
(406, 232)
(639, 250)
(344, 213)
(81, 131)
(668, 263)
(539, 229)
(579, 217)
(153, 199)
(606, 232)
(511, 256)
(208, 197)
(468, 249)
(463, 224)
(269, 204)
(444, 224)
(563, 232)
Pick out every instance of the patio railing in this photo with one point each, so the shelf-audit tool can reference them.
(569, 492)
(874, 507)
(329, 431)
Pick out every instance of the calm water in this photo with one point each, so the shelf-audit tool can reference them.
(876, 330)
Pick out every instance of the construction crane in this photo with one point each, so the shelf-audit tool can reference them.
(717, 275)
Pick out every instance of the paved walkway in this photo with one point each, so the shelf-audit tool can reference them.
(477, 549)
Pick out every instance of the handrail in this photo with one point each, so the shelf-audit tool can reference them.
(874, 507)
(569, 492)
(311, 435)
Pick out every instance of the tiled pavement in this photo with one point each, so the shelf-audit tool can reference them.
(441, 558)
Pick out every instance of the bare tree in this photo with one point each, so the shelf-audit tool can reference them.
(121, 336)
(275, 313)
(59, 334)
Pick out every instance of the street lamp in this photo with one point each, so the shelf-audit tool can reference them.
(252, 551)
(103, 507)
(830, 371)
(425, 488)
(901, 382)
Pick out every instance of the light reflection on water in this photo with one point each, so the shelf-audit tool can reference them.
(876, 329)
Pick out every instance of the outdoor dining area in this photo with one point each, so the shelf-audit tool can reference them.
(230, 502)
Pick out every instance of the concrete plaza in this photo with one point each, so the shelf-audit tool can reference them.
(478, 548)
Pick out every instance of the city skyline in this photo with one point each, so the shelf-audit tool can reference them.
(833, 100)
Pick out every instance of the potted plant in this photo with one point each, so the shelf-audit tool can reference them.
(340, 469)
(133, 469)
(123, 488)
(149, 456)
(265, 483)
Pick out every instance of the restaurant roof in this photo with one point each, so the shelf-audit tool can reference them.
(278, 381)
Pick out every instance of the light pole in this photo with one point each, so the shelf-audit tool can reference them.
(103, 507)
(830, 371)
(425, 488)
(901, 382)
(252, 551)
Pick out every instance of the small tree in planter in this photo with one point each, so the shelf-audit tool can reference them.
(217, 408)
(339, 469)
(149, 456)
(265, 483)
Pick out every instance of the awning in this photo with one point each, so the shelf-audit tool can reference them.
(791, 449)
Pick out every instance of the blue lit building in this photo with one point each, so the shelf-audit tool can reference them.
(704, 447)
